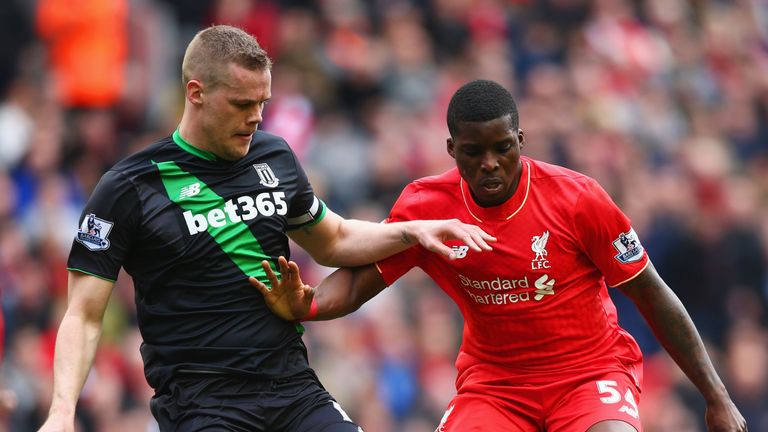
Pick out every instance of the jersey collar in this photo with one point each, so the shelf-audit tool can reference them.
(506, 210)
(189, 148)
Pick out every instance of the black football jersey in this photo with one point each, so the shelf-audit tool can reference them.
(189, 228)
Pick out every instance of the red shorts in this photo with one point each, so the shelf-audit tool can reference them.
(489, 400)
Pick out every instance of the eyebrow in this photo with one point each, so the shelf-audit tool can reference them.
(247, 101)
(473, 143)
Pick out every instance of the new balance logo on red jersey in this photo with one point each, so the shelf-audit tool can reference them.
(460, 251)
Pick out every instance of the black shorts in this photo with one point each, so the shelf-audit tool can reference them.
(213, 403)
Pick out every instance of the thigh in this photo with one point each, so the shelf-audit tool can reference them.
(606, 403)
(311, 408)
(196, 422)
(208, 405)
(470, 412)
(171, 418)
(612, 426)
(327, 417)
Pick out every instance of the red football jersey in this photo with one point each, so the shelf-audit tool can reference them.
(539, 300)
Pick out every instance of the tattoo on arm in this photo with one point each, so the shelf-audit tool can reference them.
(404, 237)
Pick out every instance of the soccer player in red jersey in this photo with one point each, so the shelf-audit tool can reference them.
(542, 349)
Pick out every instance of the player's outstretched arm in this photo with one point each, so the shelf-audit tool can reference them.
(674, 328)
(339, 294)
(76, 344)
(339, 242)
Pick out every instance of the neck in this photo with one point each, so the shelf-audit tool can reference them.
(190, 133)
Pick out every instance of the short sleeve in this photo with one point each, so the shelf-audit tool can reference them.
(607, 236)
(107, 228)
(405, 209)
(305, 208)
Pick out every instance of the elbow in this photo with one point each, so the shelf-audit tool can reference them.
(356, 304)
(332, 258)
(329, 254)
(87, 313)
(326, 259)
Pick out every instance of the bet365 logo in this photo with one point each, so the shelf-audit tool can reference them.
(246, 208)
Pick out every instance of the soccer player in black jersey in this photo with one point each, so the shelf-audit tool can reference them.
(190, 218)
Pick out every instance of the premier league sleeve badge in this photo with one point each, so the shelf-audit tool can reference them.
(628, 247)
(93, 233)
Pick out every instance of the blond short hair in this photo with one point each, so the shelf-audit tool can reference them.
(217, 46)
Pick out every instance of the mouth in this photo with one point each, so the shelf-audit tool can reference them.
(244, 136)
(491, 185)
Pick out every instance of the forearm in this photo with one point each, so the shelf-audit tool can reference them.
(360, 242)
(345, 290)
(676, 332)
(76, 345)
(337, 242)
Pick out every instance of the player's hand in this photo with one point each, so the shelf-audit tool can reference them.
(289, 298)
(56, 425)
(432, 233)
(723, 416)
(8, 401)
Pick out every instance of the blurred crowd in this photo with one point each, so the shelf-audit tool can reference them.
(665, 102)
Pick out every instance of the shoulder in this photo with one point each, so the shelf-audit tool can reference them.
(554, 173)
(558, 181)
(272, 150)
(428, 197)
(143, 160)
(140, 170)
(264, 142)
(446, 182)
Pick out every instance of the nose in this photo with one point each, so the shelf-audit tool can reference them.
(255, 117)
(489, 162)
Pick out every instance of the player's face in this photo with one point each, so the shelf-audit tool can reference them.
(232, 110)
(488, 157)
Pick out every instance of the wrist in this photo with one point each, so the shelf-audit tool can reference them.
(716, 396)
(312, 311)
(406, 233)
(61, 414)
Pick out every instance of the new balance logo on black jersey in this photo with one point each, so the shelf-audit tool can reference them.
(244, 208)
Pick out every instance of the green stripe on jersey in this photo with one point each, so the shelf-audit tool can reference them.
(235, 239)
(91, 274)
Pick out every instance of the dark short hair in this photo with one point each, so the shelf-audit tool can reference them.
(480, 101)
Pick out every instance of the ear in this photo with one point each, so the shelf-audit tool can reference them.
(521, 137)
(450, 147)
(194, 92)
